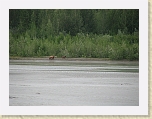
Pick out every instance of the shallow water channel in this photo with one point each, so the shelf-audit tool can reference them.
(62, 82)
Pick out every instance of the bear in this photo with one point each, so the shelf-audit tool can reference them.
(63, 57)
(51, 57)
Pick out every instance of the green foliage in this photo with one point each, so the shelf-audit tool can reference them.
(82, 45)
(43, 22)
(111, 33)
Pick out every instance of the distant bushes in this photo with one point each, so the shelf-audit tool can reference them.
(115, 47)
(74, 33)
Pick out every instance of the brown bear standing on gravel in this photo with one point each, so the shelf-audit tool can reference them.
(51, 57)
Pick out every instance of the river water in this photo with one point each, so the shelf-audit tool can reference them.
(62, 82)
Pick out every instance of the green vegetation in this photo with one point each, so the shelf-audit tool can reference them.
(75, 33)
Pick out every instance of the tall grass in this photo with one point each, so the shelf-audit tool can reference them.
(116, 47)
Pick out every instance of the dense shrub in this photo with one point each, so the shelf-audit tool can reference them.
(115, 47)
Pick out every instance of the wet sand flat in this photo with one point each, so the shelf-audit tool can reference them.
(64, 82)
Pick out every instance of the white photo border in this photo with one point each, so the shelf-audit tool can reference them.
(142, 109)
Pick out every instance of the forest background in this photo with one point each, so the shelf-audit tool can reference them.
(87, 33)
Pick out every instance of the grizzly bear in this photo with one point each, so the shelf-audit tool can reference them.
(63, 57)
(51, 57)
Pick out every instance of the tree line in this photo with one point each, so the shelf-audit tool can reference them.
(42, 23)
(100, 33)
